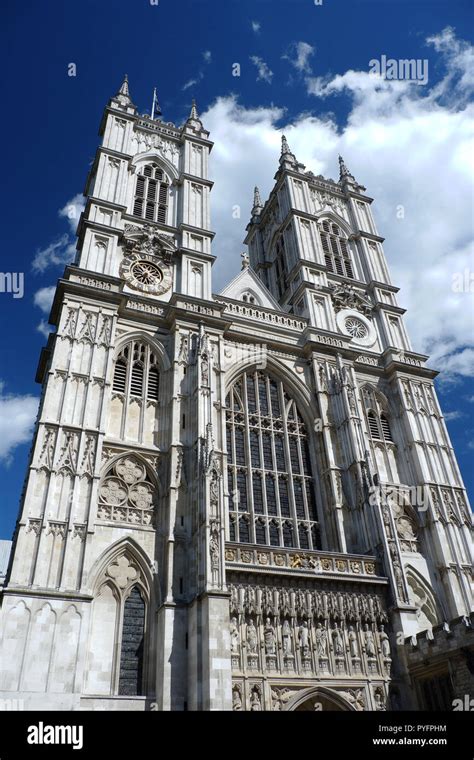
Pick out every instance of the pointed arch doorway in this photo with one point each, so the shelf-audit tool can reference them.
(318, 699)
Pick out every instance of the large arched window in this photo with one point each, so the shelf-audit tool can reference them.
(151, 194)
(135, 391)
(118, 634)
(336, 252)
(270, 483)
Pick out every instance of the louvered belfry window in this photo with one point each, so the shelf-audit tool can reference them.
(136, 372)
(270, 482)
(151, 194)
(337, 256)
(377, 419)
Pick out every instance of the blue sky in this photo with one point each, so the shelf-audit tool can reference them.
(407, 144)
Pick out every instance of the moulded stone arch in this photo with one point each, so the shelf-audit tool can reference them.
(333, 216)
(379, 395)
(151, 473)
(298, 390)
(144, 337)
(422, 596)
(126, 546)
(319, 694)
(153, 155)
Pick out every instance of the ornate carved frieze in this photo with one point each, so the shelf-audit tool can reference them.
(307, 563)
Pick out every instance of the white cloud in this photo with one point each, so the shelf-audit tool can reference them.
(459, 80)
(207, 56)
(411, 147)
(44, 328)
(455, 415)
(299, 54)
(43, 298)
(17, 417)
(60, 252)
(73, 210)
(264, 73)
(256, 26)
(189, 84)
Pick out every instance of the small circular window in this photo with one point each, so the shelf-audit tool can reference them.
(355, 327)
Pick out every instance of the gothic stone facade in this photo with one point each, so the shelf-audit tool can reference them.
(240, 501)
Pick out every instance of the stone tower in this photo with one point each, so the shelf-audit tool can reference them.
(237, 501)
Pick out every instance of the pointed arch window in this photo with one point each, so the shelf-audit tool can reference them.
(135, 394)
(136, 371)
(270, 482)
(337, 256)
(378, 422)
(151, 194)
(119, 631)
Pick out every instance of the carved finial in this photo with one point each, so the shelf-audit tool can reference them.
(245, 260)
(257, 201)
(343, 170)
(194, 112)
(285, 148)
(286, 154)
(124, 87)
(123, 95)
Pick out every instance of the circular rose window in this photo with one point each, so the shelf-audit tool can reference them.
(146, 273)
(355, 327)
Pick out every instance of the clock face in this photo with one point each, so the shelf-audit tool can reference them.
(142, 272)
(146, 273)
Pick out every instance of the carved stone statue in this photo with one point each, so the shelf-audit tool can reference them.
(255, 703)
(269, 637)
(251, 637)
(369, 641)
(337, 641)
(379, 699)
(384, 643)
(303, 636)
(286, 637)
(353, 646)
(234, 636)
(236, 699)
(321, 641)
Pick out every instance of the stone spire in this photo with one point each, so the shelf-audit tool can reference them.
(257, 201)
(285, 148)
(286, 155)
(124, 87)
(194, 112)
(343, 170)
(123, 95)
(193, 119)
(346, 179)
